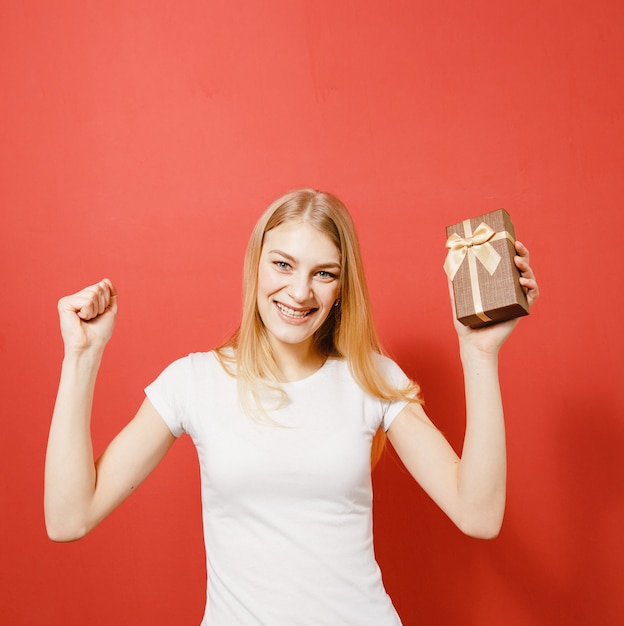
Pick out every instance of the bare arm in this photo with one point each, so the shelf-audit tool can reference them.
(80, 492)
(471, 488)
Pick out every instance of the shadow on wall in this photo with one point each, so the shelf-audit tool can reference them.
(572, 574)
(558, 558)
(428, 565)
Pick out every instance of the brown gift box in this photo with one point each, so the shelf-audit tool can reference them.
(481, 297)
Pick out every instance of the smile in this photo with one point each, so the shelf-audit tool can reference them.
(292, 312)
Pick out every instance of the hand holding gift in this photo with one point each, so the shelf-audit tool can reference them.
(491, 281)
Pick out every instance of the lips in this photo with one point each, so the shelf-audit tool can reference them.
(296, 314)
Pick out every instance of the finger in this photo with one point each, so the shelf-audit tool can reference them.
(531, 288)
(106, 294)
(452, 297)
(527, 276)
(523, 266)
(522, 260)
(94, 300)
(112, 291)
(522, 252)
(111, 288)
(92, 303)
(521, 249)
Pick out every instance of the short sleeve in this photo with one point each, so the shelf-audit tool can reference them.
(168, 394)
(398, 379)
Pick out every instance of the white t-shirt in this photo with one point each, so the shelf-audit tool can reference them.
(287, 507)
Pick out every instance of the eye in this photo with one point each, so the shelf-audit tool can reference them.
(325, 275)
(282, 265)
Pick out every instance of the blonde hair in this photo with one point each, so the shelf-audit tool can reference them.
(348, 332)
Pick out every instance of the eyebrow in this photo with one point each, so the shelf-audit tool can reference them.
(292, 259)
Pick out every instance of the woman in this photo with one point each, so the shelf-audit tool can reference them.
(284, 417)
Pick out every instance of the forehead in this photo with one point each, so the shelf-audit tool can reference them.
(299, 238)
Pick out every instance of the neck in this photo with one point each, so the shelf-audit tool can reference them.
(297, 361)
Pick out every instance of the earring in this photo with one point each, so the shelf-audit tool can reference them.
(337, 303)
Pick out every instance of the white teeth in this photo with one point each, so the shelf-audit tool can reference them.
(291, 312)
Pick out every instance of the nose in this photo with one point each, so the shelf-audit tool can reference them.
(300, 288)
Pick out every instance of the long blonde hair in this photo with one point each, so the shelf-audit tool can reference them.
(348, 332)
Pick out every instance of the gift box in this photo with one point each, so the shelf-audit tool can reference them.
(480, 264)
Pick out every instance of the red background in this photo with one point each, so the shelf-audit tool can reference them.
(141, 140)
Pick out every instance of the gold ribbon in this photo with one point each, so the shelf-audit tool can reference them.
(474, 246)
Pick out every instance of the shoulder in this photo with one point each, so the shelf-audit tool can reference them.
(383, 369)
(194, 359)
(384, 362)
(388, 367)
(379, 361)
(195, 363)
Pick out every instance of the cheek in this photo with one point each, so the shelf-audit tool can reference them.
(331, 294)
(267, 282)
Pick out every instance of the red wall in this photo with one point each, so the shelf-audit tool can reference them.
(140, 141)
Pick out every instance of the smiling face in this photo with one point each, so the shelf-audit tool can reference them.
(298, 284)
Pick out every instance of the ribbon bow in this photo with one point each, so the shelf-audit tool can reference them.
(475, 244)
